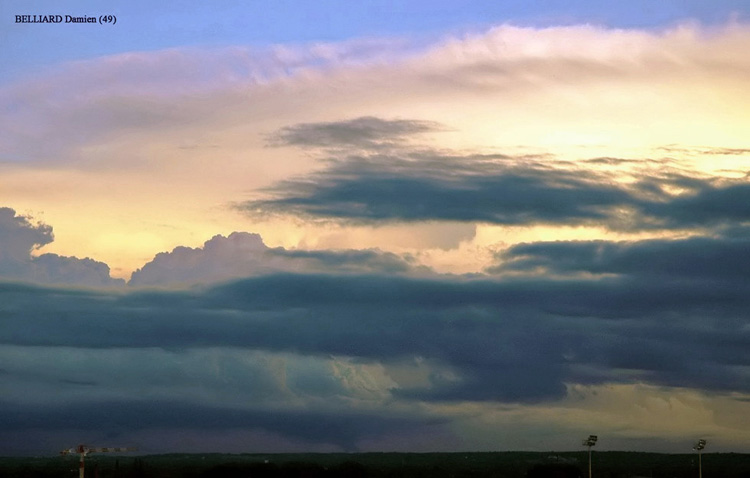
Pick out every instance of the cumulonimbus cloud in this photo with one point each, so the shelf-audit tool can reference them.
(19, 237)
(243, 254)
(292, 347)
(488, 331)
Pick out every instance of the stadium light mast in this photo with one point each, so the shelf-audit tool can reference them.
(699, 447)
(589, 442)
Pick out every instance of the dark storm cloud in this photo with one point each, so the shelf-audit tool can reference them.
(666, 313)
(697, 282)
(702, 258)
(342, 429)
(662, 312)
(362, 183)
(508, 340)
(711, 204)
(471, 188)
(19, 237)
(364, 132)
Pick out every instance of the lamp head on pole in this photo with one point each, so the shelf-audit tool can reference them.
(590, 441)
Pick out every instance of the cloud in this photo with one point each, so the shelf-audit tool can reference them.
(710, 205)
(268, 338)
(332, 432)
(698, 280)
(412, 185)
(244, 254)
(135, 93)
(681, 150)
(584, 70)
(695, 258)
(358, 356)
(202, 117)
(424, 187)
(365, 132)
(238, 378)
(19, 237)
(304, 402)
(508, 340)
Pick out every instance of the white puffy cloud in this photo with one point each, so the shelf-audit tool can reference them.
(243, 254)
(18, 237)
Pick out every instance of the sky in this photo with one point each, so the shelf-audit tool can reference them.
(375, 226)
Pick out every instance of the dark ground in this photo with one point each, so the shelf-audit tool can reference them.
(376, 465)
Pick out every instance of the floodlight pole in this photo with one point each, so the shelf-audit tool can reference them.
(699, 448)
(589, 442)
(83, 450)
